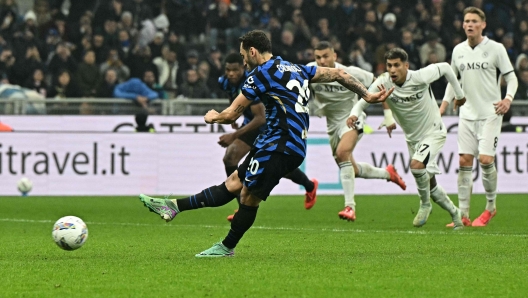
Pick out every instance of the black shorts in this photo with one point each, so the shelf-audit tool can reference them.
(262, 170)
(250, 137)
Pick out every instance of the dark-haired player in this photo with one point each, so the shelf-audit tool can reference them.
(240, 142)
(283, 89)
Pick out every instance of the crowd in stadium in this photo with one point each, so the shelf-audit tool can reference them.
(170, 48)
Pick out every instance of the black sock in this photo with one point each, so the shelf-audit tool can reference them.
(230, 169)
(299, 177)
(242, 221)
(213, 196)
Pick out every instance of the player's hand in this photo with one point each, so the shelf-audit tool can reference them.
(458, 103)
(351, 121)
(502, 107)
(380, 96)
(390, 127)
(234, 125)
(227, 139)
(210, 116)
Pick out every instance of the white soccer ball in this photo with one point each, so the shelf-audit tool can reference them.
(70, 232)
(24, 185)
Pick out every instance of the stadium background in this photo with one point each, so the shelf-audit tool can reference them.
(61, 61)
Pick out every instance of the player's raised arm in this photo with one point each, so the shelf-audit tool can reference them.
(326, 75)
(230, 114)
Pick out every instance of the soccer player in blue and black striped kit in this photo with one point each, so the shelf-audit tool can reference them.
(283, 89)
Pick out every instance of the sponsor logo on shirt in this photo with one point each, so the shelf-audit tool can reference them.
(414, 97)
(473, 66)
(330, 88)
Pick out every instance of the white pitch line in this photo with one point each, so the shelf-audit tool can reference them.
(410, 232)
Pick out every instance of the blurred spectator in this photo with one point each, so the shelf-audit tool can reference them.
(323, 30)
(37, 82)
(287, 48)
(432, 46)
(412, 26)
(317, 10)
(108, 10)
(389, 26)
(110, 34)
(521, 63)
(125, 44)
(522, 90)
(141, 12)
(149, 79)
(507, 42)
(204, 74)
(346, 17)
(361, 55)
(176, 46)
(26, 65)
(193, 87)
(99, 48)
(141, 122)
(88, 76)
(436, 26)
(297, 24)
(107, 85)
(371, 31)
(222, 19)
(380, 55)
(407, 43)
(214, 59)
(156, 45)
(30, 23)
(168, 67)
(62, 59)
(263, 14)
(114, 61)
(139, 61)
(127, 24)
(7, 61)
(64, 87)
(193, 58)
(136, 90)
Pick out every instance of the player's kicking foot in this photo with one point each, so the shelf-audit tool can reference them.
(164, 207)
(458, 224)
(395, 177)
(230, 217)
(311, 197)
(217, 251)
(465, 221)
(423, 214)
(484, 218)
(347, 214)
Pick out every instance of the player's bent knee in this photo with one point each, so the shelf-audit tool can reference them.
(486, 159)
(466, 160)
(417, 165)
(342, 156)
(246, 198)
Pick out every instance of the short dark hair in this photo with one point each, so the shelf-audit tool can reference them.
(396, 53)
(234, 58)
(323, 45)
(476, 11)
(256, 39)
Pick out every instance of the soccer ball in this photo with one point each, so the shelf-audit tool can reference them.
(70, 232)
(24, 185)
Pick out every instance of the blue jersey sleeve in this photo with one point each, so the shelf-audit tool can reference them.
(309, 71)
(255, 85)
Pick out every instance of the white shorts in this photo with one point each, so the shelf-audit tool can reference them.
(479, 136)
(426, 151)
(336, 135)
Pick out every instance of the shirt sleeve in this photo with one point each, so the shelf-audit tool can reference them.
(428, 74)
(503, 61)
(308, 70)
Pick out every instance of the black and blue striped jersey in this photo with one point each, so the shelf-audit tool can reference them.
(233, 91)
(283, 89)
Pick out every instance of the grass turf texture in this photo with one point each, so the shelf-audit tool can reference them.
(290, 252)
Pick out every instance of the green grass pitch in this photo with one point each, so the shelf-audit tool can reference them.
(289, 252)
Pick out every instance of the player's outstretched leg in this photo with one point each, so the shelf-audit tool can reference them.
(489, 180)
(213, 196)
(299, 177)
(347, 176)
(422, 182)
(390, 174)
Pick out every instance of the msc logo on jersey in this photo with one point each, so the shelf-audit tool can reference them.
(250, 83)
(290, 68)
(474, 66)
(330, 88)
(414, 97)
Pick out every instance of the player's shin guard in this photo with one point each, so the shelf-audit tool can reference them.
(213, 196)
(465, 184)
(299, 177)
(422, 183)
(489, 180)
(368, 171)
(242, 221)
(440, 197)
(346, 173)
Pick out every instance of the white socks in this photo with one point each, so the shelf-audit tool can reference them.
(440, 197)
(368, 171)
(465, 184)
(489, 180)
(422, 182)
(346, 173)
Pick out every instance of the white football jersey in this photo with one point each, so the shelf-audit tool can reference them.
(480, 71)
(413, 105)
(335, 101)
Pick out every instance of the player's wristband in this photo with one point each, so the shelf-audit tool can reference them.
(509, 97)
(388, 116)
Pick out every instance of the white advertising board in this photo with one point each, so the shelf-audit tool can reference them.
(68, 163)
